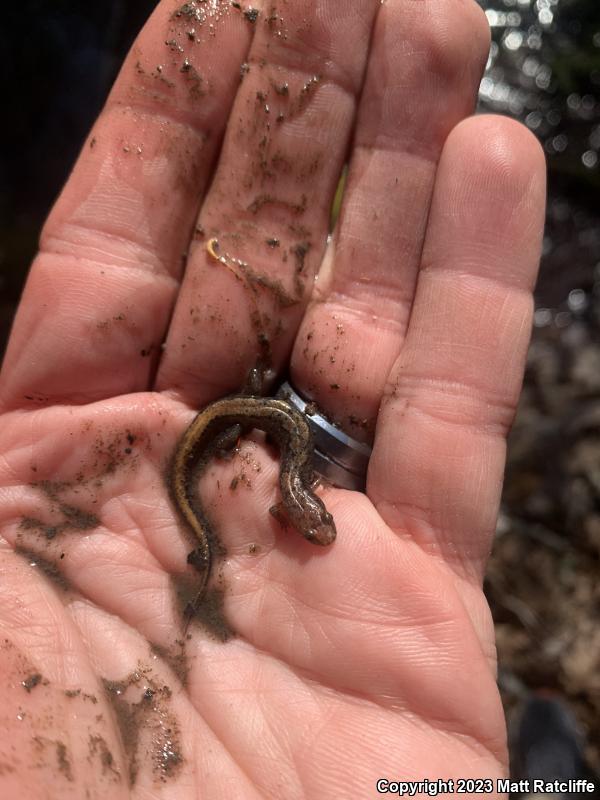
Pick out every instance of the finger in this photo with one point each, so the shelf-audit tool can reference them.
(270, 200)
(436, 471)
(100, 293)
(414, 95)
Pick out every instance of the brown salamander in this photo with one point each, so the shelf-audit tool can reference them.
(218, 427)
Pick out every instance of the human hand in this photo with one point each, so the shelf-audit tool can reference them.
(373, 658)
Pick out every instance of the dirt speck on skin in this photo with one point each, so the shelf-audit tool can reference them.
(251, 14)
(64, 764)
(42, 746)
(149, 729)
(115, 452)
(31, 681)
(176, 657)
(173, 45)
(74, 518)
(127, 723)
(194, 79)
(17, 669)
(71, 693)
(203, 16)
(44, 565)
(362, 424)
(299, 252)
(106, 456)
(98, 749)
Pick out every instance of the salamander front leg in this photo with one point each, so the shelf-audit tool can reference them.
(278, 511)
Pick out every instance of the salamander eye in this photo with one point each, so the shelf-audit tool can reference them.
(315, 535)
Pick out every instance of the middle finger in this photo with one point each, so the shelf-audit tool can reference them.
(269, 203)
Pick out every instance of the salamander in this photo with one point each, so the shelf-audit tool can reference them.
(218, 427)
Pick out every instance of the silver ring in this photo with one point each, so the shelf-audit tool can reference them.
(338, 457)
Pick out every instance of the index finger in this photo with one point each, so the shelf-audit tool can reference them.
(99, 295)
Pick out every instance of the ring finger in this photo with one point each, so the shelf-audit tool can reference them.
(424, 70)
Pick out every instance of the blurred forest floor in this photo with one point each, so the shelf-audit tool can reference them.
(543, 587)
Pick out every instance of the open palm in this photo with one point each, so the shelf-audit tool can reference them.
(308, 672)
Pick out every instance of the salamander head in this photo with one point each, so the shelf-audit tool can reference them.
(322, 530)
